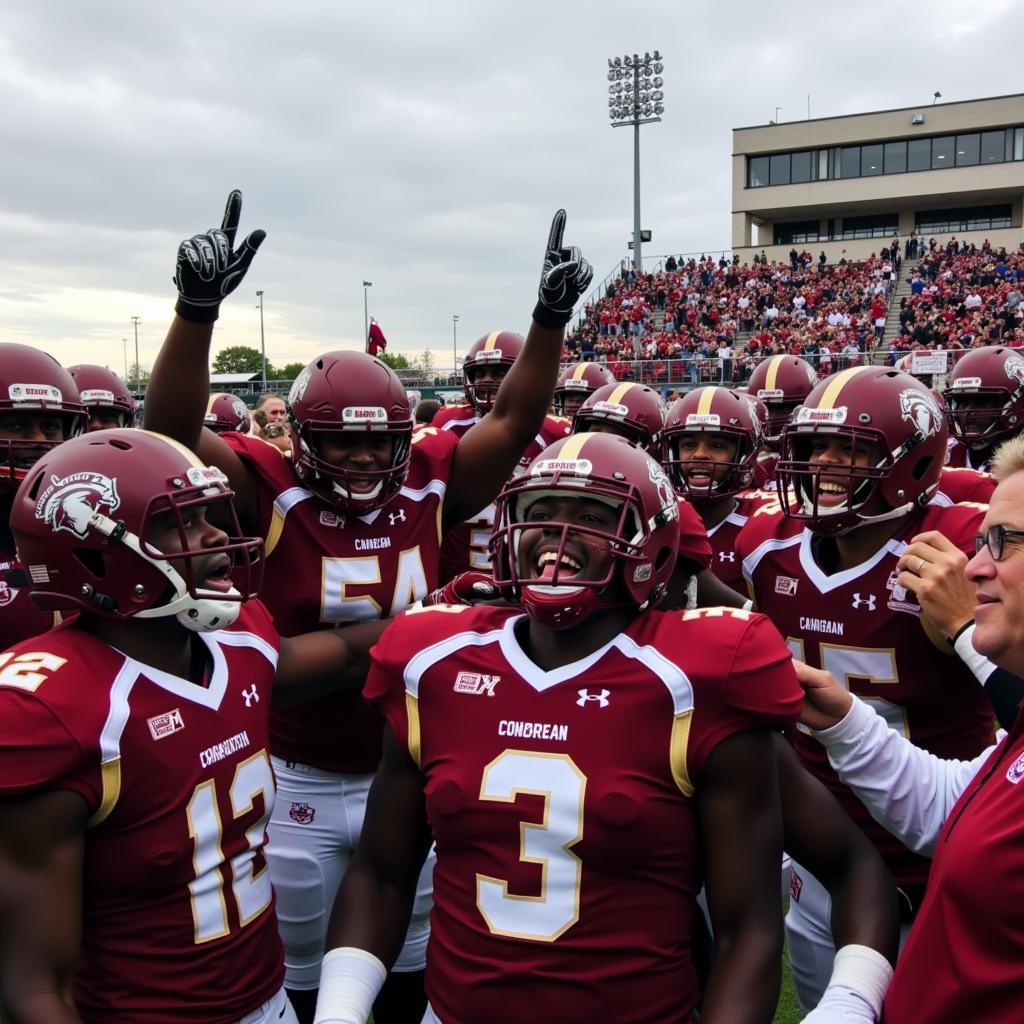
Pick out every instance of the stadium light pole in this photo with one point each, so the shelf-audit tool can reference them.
(263, 346)
(635, 98)
(366, 316)
(135, 323)
(455, 357)
(124, 351)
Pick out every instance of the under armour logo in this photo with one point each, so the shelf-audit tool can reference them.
(869, 601)
(396, 517)
(601, 697)
(727, 556)
(251, 696)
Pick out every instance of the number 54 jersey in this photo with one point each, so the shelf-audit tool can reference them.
(177, 912)
(562, 802)
(869, 632)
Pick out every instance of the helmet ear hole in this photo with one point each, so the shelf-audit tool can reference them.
(93, 561)
(922, 467)
(662, 557)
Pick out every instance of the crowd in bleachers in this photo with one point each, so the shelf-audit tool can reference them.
(963, 296)
(691, 309)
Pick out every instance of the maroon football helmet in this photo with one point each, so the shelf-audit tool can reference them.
(712, 411)
(227, 412)
(33, 383)
(876, 406)
(80, 521)
(782, 383)
(351, 394)
(497, 350)
(985, 396)
(103, 393)
(601, 467)
(576, 382)
(635, 411)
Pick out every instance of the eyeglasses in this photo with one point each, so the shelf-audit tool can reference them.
(995, 538)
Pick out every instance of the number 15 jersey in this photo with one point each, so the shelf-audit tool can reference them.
(562, 802)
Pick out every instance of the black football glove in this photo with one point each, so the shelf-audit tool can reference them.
(565, 277)
(210, 268)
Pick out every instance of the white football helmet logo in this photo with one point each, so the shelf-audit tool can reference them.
(298, 391)
(69, 503)
(240, 409)
(922, 410)
(1014, 367)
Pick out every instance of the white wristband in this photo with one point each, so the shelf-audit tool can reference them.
(864, 971)
(748, 605)
(977, 663)
(350, 979)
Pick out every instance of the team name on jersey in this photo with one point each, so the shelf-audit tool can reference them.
(372, 543)
(821, 626)
(533, 730)
(211, 755)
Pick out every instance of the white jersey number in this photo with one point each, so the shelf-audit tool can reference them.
(555, 777)
(875, 665)
(250, 889)
(341, 576)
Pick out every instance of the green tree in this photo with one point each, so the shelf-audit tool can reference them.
(395, 360)
(288, 372)
(239, 359)
(425, 364)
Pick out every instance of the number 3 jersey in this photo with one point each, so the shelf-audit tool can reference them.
(869, 632)
(177, 909)
(562, 802)
(325, 569)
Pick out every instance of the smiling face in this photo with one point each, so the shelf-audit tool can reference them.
(361, 455)
(840, 452)
(699, 453)
(999, 612)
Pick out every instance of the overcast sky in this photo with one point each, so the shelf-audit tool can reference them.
(421, 145)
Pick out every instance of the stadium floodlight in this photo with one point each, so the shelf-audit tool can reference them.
(634, 98)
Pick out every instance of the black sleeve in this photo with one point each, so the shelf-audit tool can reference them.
(1005, 692)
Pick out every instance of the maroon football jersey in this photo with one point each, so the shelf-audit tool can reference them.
(725, 562)
(178, 914)
(764, 468)
(962, 959)
(324, 569)
(466, 546)
(868, 631)
(694, 544)
(19, 617)
(960, 484)
(562, 803)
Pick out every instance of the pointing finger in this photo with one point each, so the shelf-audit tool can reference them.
(557, 230)
(232, 215)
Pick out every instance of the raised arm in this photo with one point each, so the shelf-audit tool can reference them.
(42, 844)
(489, 452)
(209, 268)
(741, 838)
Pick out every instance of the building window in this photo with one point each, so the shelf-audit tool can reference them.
(870, 160)
(975, 218)
(968, 148)
(943, 152)
(919, 155)
(849, 166)
(895, 157)
(796, 232)
(779, 169)
(992, 145)
(881, 225)
(801, 167)
(757, 171)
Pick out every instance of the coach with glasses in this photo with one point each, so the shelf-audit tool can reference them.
(962, 959)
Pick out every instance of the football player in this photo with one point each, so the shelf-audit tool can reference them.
(135, 777)
(712, 439)
(985, 396)
(226, 412)
(353, 525)
(39, 408)
(782, 383)
(629, 749)
(575, 384)
(107, 400)
(466, 546)
(860, 462)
